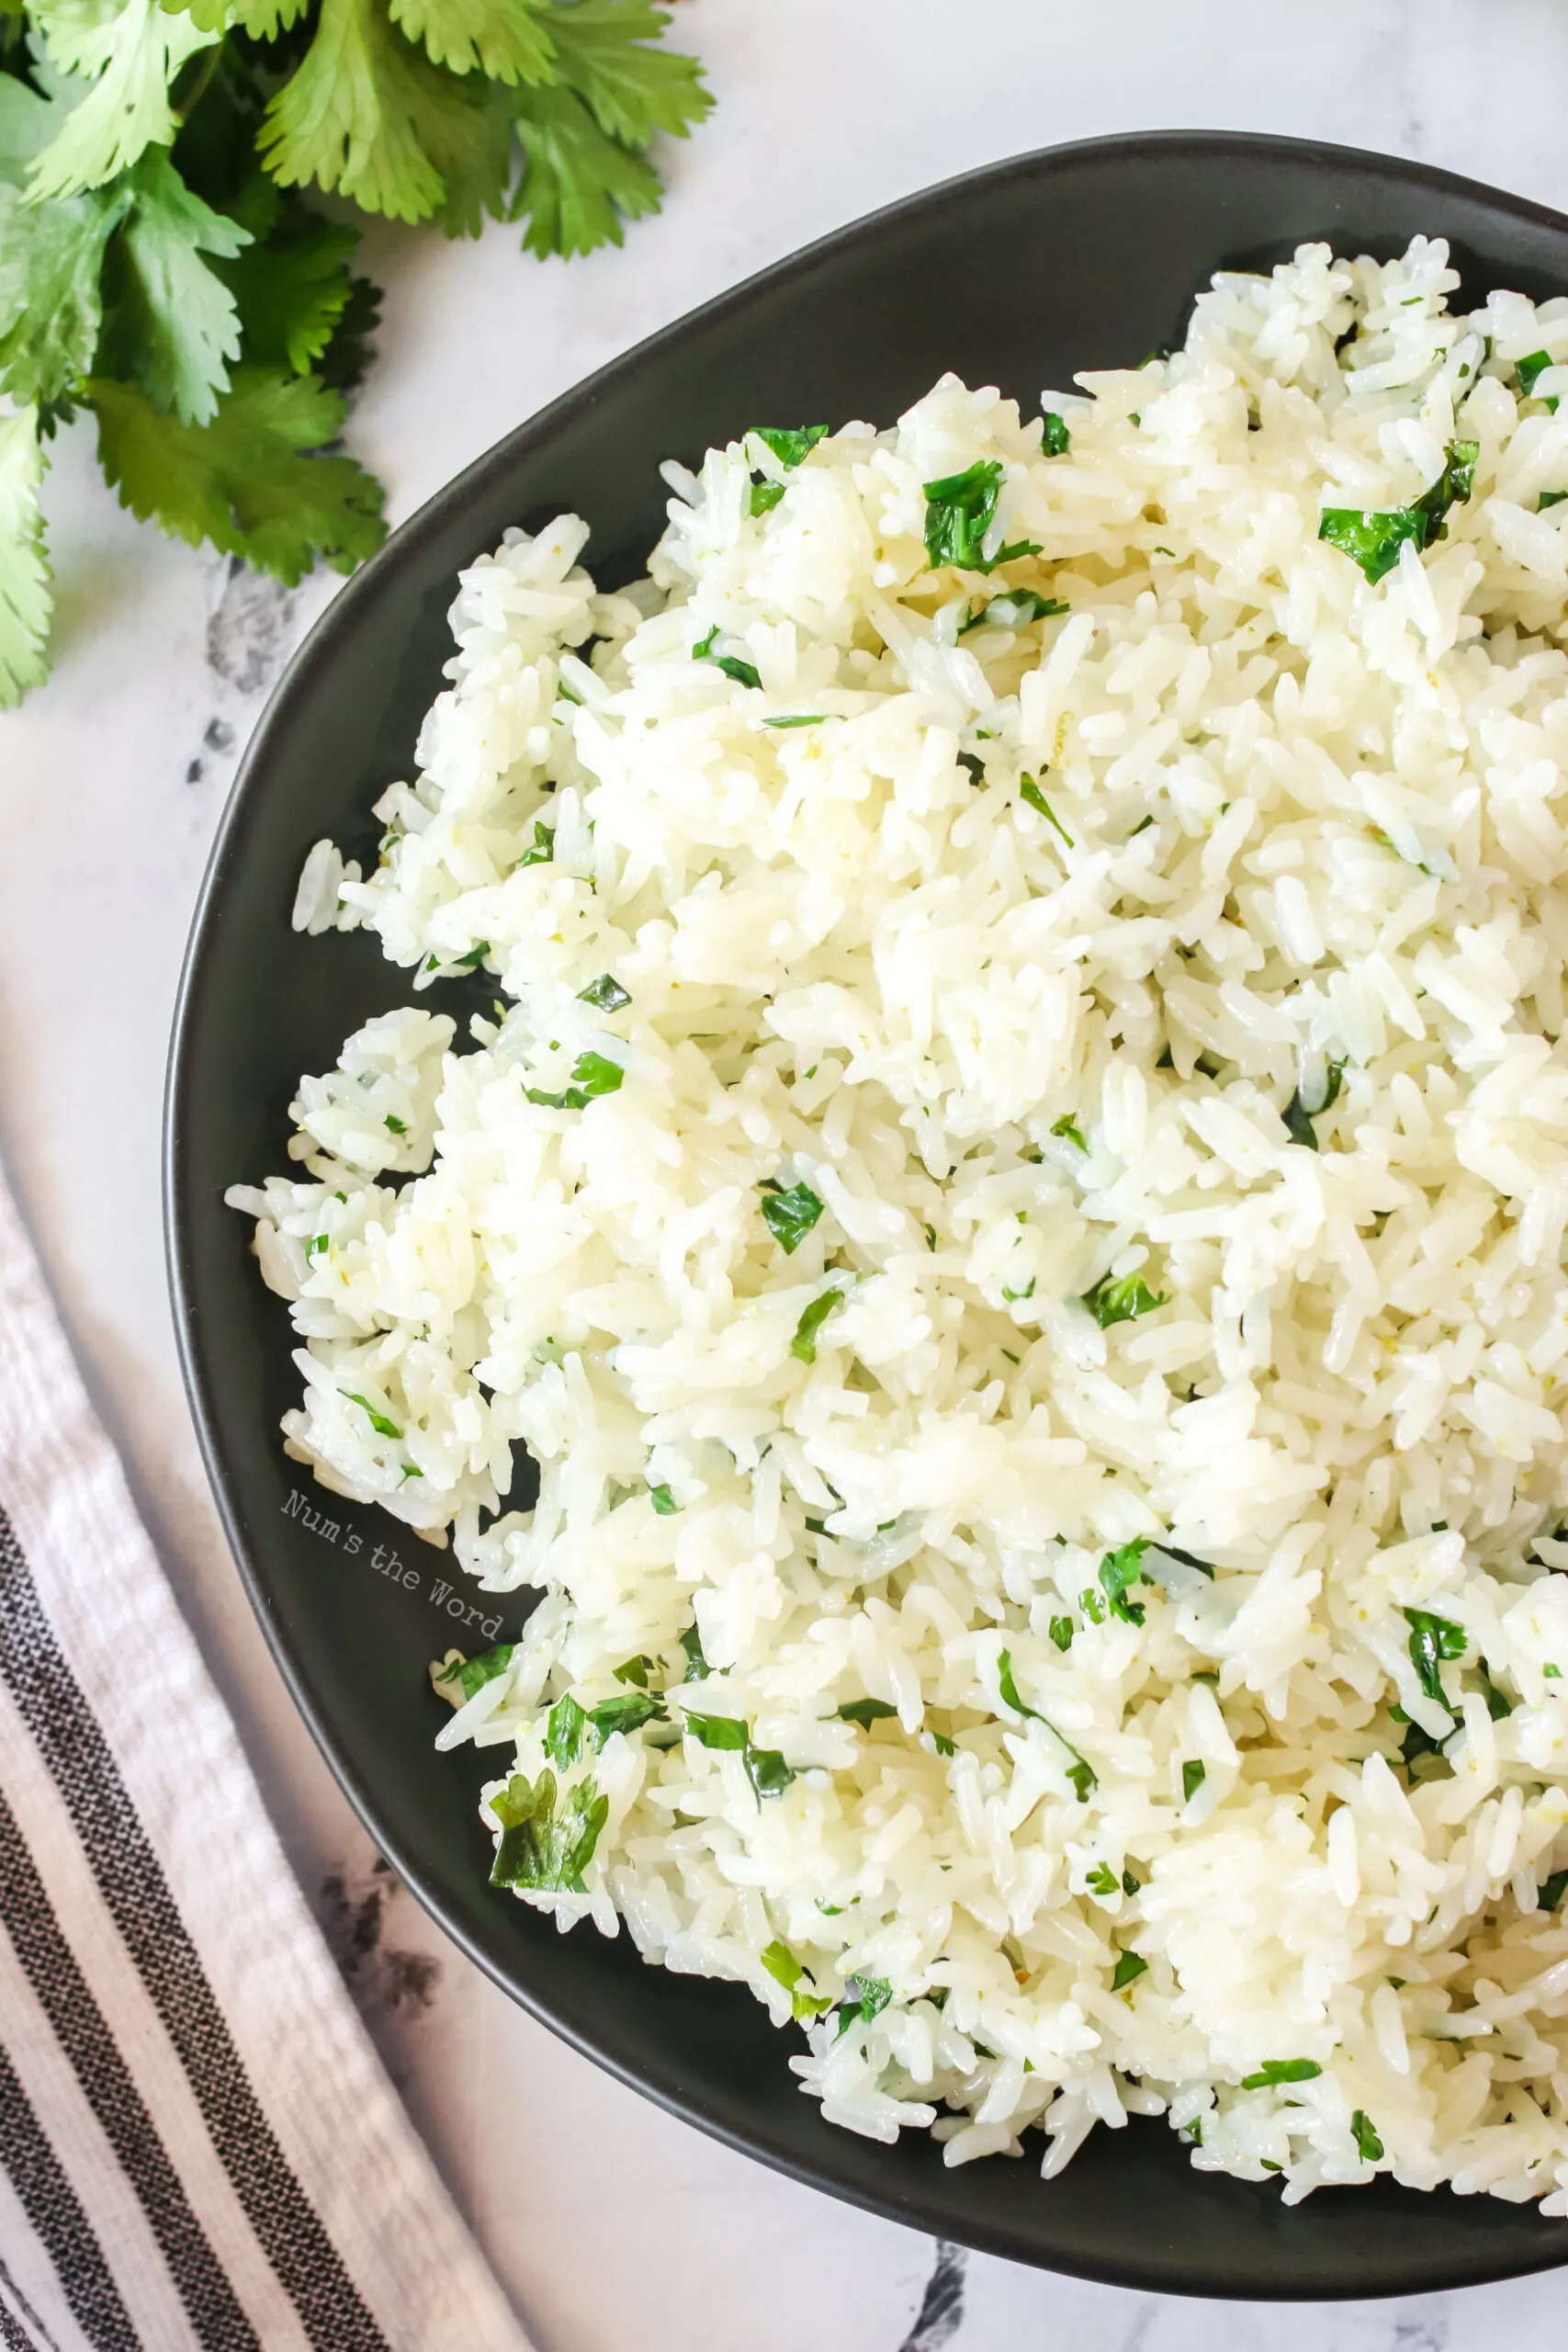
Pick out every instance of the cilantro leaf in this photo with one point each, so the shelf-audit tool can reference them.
(959, 511)
(1056, 440)
(592, 1075)
(1101, 1880)
(471, 1674)
(578, 185)
(539, 1848)
(765, 496)
(866, 1712)
(866, 1997)
(504, 39)
(368, 114)
(1529, 371)
(246, 482)
(1016, 609)
(663, 1501)
(605, 50)
(697, 1664)
(292, 291)
(606, 994)
(24, 600)
(1193, 1774)
(1372, 539)
(1028, 790)
(626, 1714)
(1433, 1639)
(1061, 1632)
(783, 1966)
(1130, 1966)
(379, 1421)
(132, 53)
(1068, 1126)
(1079, 1773)
(52, 259)
(1369, 2147)
(765, 1768)
(1120, 1301)
(1117, 1571)
(802, 1347)
(564, 1727)
(1549, 1892)
(1281, 2070)
(791, 445)
(172, 322)
(789, 1216)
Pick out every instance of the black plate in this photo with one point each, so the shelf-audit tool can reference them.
(1086, 255)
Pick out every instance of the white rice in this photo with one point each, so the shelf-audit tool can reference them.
(1313, 820)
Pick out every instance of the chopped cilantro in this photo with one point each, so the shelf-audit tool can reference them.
(866, 1997)
(697, 1664)
(1028, 790)
(379, 1421)
(626, 1715)
(318, 1244)
(1119, 1302)
(539, 1848)
(942, 1744)
(733, 667)
(1550, 498)
(802, 1347)
(791, 445)
(959, 509)
(1079, 1773)
(544, 847)
(564, 1726)
(1498, 1703)
(765, 496)
(471, 1674)
(789, 1216)
(1433, 1639)
(1101, 1880)
(799, 718)
(1373, 539)
(866, 1712)
(635, 1670)
(973, 766)
(592, 1075)
(1130, 1966)
(663, 1501)
(1551, 1891)
(1130, 1885)
(1280, 2070)
(1141, 827)
(1061, 1632)
(783, 1966)
(396, 1126)
(1015, 1297)
(1055, 441)
(1369, 2147)
(765, 1768)
(1531, 369)
(1193, 1775)
(1093, 1606)
(1068, 1126)
(1552, 1673)
(1014, 610)
(930, 1232)
(1117, 1571)
(606, 994)
(475, 956)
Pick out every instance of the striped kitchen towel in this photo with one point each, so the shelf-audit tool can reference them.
(198, 2146)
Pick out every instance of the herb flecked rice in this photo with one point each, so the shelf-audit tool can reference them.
(1015, 1190)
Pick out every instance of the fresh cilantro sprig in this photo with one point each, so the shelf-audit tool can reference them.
(163, 269)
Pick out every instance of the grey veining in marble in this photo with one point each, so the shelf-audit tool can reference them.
(608, 2221)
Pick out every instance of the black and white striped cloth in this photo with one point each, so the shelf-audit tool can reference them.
(198, 2146)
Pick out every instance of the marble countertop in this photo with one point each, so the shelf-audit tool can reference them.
(112, 781)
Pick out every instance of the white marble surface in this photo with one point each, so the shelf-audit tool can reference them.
(605, 2218)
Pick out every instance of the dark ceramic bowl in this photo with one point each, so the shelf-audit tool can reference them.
(1086, 255)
